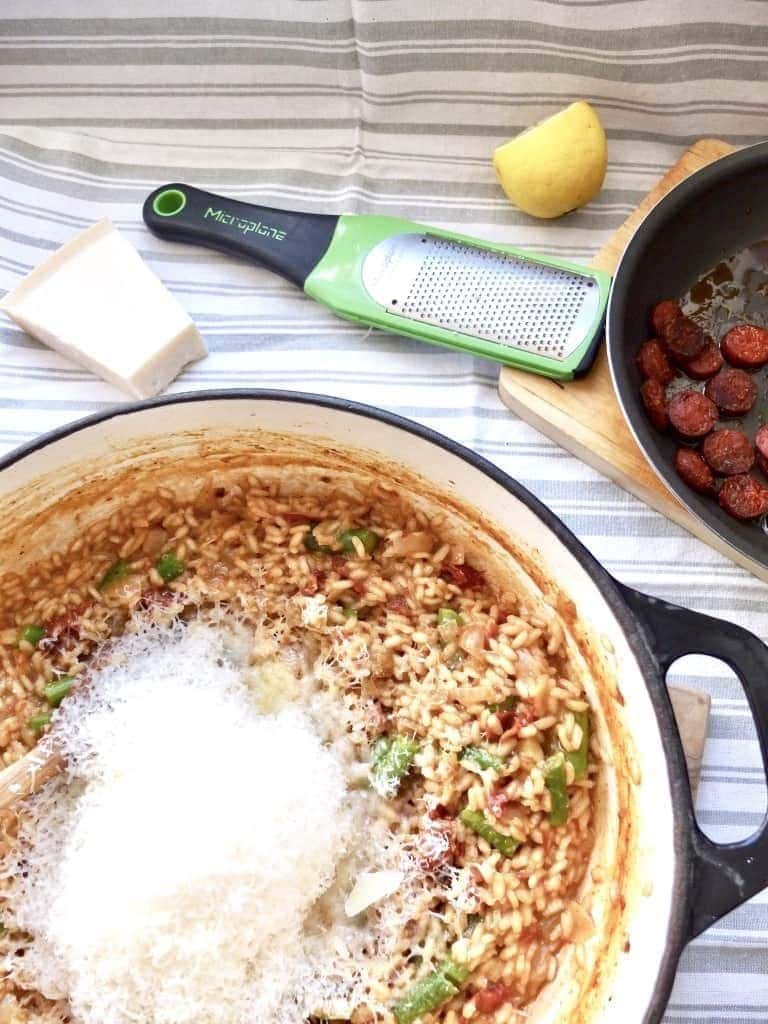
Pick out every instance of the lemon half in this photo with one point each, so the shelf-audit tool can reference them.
(555, 166)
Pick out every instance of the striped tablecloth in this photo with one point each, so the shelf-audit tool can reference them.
(390, 106)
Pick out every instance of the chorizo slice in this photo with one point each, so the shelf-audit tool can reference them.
(663, 315)
(761, 441)
(652, 362)
(706, 364)
(746, 346)
(685, 339)
(743, 497)
(655, 402)
(692, 469)
(733, 391)
(728, 452)
(692, 414)
(761, 445)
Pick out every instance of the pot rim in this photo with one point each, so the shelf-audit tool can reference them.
(677, 778)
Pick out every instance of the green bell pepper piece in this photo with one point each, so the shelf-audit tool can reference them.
(508, 704)
(116, 572)
(448, 615)
(477, 822)
(431, 992)
(170, 567)
(555, 781)
(478, 757)
(32, 635)
(579, 758)
(56, 691)
(391, 760)
(38, 722)
(368, 538)
(312, 545)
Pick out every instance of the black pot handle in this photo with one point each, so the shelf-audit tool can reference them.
(289, 243)
(725, 874)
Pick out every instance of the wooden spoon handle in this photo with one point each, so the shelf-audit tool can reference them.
(27, 775)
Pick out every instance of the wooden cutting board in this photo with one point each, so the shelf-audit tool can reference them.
(584, 417)
(691, 709)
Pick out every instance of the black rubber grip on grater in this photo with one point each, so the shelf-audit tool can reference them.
(288, 243)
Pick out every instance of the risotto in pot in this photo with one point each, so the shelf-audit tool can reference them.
(428, 714)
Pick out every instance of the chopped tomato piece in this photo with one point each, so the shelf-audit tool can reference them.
(398, 604)
(316, 580)
(490, 998)
(464, 576)
(157, 599)
(532, 933)
(498, 800)
(514, 721)
(62, 632)
(340, 565)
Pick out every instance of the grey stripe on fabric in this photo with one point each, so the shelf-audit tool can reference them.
(731, 960)
(497, 133)
(715, 63)
(399, 99)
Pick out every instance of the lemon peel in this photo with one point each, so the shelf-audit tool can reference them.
(556, 165)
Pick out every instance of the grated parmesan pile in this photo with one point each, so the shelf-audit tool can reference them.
(171, 877)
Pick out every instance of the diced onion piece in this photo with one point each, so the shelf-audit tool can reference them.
(530, 751)
(155, 541)
(472, 640)
(273, 683)
(471, 695)
(413, 544)
(370, 887)
(10, 1011)
(583, 925)
(128, 590)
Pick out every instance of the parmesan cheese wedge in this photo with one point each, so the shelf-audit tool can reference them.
(97, 302)
(370, 888)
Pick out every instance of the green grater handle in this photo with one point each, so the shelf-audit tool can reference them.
(337, 282)
(286, 242)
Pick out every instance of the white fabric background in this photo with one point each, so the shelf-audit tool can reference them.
(390, 106)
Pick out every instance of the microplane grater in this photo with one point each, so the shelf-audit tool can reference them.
(491, 300)
(483, 293)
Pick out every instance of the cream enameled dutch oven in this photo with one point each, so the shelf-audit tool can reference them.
(662, 882)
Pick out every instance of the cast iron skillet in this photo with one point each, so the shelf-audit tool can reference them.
(710, 216)
(711, 879)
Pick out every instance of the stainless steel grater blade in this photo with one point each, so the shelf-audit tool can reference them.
(484, 293)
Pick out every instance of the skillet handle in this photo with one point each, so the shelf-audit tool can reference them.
(725, 875)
